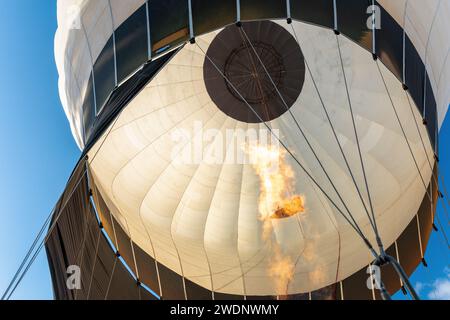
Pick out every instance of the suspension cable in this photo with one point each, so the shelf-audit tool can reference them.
(377, 234)
(41, 245)
(355, 227)
(12, 287)
(435, 178)
(335, 133)
(428, 193)
(35, 242)
(298, 125)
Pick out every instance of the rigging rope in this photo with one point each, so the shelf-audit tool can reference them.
(427, 191)
(334, 133)
(355, 227)
(35, 242)
(435, 178)
(377, 234)
(16, 280)
(382, 257)
(299, 128)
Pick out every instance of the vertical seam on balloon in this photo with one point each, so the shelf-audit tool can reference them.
(404, 41)
(79, 259)
(335, 15)
(208, 215)
(374, 28)
(238, 11)
(92, 67)
(363, 166)
(154, 253)
(201, 108)
(114, 42)
(149, 36)
(132, 249)
(288, 9)
(95, 262)
(314, 187)
(244, 288)
(178, 206)
(355, 227)
(179, 260)
(191, 21)
(420, 234)
(328, 215)
(425, 75)
(110, 278)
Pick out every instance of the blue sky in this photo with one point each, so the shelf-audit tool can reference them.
(37, 149)
(38, 152)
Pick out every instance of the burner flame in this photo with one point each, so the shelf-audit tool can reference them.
(276, 183)
(277, 200)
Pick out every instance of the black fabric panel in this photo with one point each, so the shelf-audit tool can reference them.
(414, 73)
(409, 247)
(430, 112)
(263, 9)
(104, 74)
(320, 12)
(352, 21)
(57, 267)
(132, 44)
(66, 238)
(89, 256)
(104, 215)
(146, 268)
(102, 271)
(169, 21)
(171, 284)
(124, 245)
(72, 221)
(89, 109)
(327, 293)
(74, 181)
(123, 286)
(425, 216)
(389, 43)
(124, 94)
(196, 292)
(355, 286)
(225, 296)
(209, 15)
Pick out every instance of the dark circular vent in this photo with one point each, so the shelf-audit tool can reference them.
(234, 55)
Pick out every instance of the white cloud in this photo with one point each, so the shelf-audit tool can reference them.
(440, 289)
(419, 287)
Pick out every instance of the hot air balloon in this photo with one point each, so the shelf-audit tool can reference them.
(181, 108)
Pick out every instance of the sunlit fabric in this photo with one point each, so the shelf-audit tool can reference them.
(163, 122)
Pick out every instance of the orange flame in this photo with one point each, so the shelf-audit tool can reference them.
(276, 202)
(281, 270)
(276, 183)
